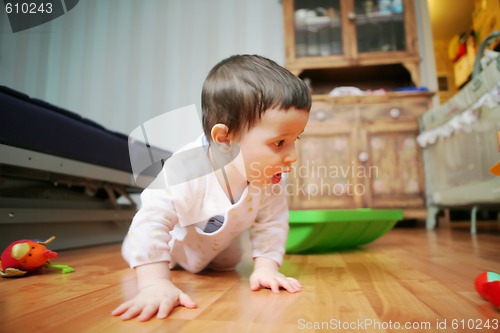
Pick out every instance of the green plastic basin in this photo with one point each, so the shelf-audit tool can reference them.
(316, 231)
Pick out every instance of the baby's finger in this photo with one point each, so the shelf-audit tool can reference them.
(275, 286)
(165, 308)
(121, 309)
(187, 301)
(147, 312)
(131, 312)
(255, 284)
(293, 285)
(287, 285)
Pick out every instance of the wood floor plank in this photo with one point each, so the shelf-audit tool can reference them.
(410, 280)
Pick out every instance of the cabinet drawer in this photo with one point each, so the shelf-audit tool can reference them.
(398, 110)
(324, 111)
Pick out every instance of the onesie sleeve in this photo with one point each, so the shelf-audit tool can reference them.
(268, 235)
(149, 234)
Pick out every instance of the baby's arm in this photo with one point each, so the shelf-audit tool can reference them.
(268, 236)
(157, 294)
(267, 275)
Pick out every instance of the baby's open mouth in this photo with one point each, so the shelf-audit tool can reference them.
(277, 178)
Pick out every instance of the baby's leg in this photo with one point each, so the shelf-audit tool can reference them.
(228, 258)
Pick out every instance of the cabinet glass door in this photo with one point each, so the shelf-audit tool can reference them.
(380, 25)
(318, 28)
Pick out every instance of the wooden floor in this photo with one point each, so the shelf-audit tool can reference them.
(407, 277)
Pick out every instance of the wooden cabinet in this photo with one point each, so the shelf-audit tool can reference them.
(357, 151)
(361, 152)
(346, 33)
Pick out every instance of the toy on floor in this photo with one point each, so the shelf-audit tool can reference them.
(487, 285)
(26, 256)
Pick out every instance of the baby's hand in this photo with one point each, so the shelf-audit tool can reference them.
(269, 277)
(158, 298)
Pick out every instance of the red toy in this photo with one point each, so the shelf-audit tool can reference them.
(487, 285)
(25, 256)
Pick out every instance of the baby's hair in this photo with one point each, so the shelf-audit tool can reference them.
(239, 89)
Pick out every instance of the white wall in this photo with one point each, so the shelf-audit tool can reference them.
(123, 62)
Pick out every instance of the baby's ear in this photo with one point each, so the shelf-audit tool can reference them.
(220, 134)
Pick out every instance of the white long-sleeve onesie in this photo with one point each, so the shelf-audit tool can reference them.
(167, 226)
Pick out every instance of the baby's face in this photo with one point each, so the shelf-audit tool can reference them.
(268, 148)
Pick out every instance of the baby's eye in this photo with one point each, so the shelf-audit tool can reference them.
(279, 143)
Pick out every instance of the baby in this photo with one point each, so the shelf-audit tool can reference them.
(253, 112)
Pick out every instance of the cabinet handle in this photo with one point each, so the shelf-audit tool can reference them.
(394, 113)
(321, 115)
(351, 16)
(363, 156)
